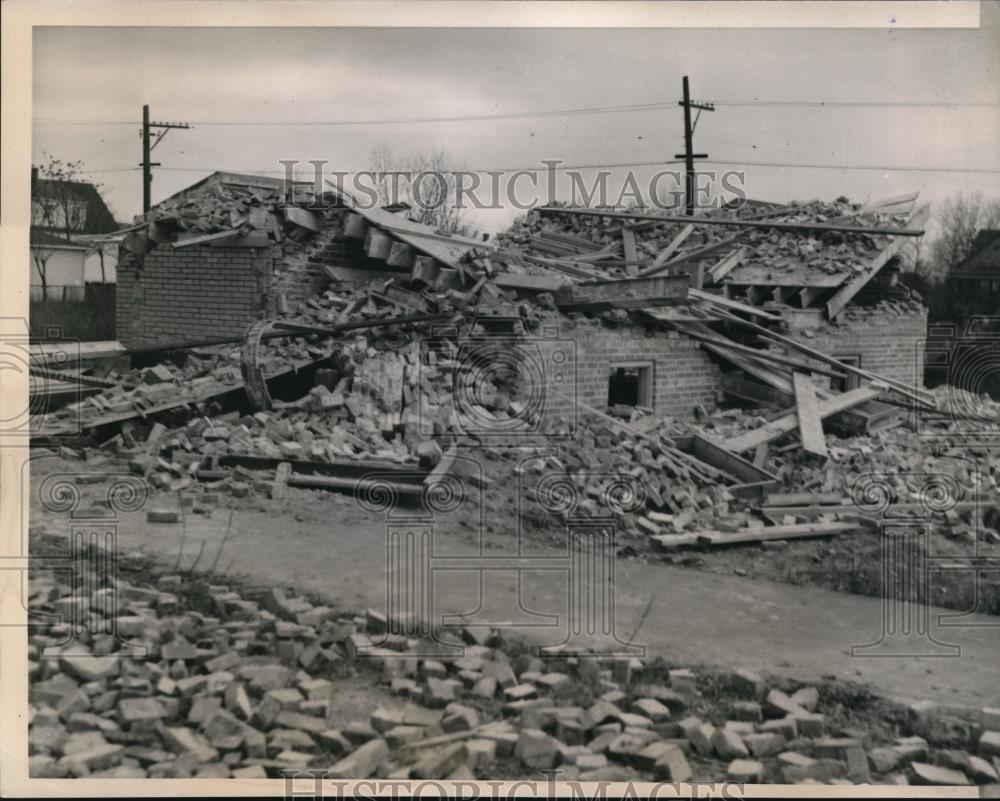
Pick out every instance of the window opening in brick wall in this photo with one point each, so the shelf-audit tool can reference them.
(630, 385)
(853, 381)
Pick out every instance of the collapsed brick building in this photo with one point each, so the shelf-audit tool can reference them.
(233, 249)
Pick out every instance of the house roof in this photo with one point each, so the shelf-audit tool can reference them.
(983, 259)
(220, 202)
(42, 238)
(98, 218)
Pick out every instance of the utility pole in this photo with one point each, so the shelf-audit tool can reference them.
(689, 155)
(147, 149)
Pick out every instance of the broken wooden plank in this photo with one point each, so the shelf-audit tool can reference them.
(757, 393)
(795, 531)
(734, 305)
(789, 422)
(631, 252)
(529, 283)
(188, 240)
(694, 255)
(810, 425)
(664, 255)
(843, 296)
(913, 393)
(728, 264)
(757, 354)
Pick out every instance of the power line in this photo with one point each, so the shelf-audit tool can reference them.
(877, 167)
(391, 121)
(632, 107)
(535, 168)
(850, 104)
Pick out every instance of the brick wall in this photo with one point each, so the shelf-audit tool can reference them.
(191, 293)
(886, 342)
(578, 361)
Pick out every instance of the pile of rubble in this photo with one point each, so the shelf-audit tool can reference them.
(830, 252)
(200, 680)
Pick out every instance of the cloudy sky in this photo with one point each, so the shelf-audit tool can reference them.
(89, 85)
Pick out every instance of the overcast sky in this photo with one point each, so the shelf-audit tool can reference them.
(253, 75)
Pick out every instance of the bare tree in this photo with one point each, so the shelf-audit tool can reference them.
(961, 217)
(59, 207)
(426, 182)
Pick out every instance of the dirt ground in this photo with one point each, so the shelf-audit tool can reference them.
(325, 545)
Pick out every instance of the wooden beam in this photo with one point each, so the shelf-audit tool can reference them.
(631, 252)
(664, 255)
(761, 394)
(529, 283)
(693, 255)
(630, 293)
(184, 241)
(904, 389)
(810, 424)
(761, 355)
(779, 226)
(796, 531)
(734, 305)
(843, 296)
(789, 422)
(728, 263)
(810, 294)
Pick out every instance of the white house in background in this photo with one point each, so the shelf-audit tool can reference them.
(65, 213)
(58, 267)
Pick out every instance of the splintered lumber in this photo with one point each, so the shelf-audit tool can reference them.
(796, 531)
(761, 355)
(694, 255)
(699, 220)
(906, 390)
(728, 264)
(843, 296)
(734, 305)
(664, 255)
(806, 407)
(789, 422)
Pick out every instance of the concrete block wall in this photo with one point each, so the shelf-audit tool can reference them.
(578, 359)
(886, 343)
(191, 293)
